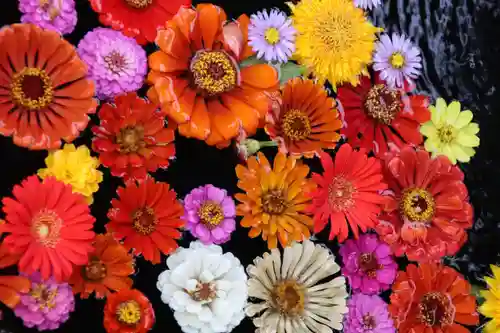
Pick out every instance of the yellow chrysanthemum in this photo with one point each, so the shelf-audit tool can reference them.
(74, 166)
(335, 40)
(491, 306)
(450, 132)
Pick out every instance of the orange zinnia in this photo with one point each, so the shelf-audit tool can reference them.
(275, 200)
(11, 287)
(44, 93)
(196, 75)
(108, 268)
(306, 120)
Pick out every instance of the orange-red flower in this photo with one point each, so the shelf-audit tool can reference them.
(11, 287)
(45, 95)
(128, 311)
(427, 211)
(108, 269)
(306, 121)
(432, 298)
(131, 139)
(198, 79)
(146, 216)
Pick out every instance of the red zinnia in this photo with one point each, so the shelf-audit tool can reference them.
(348, 190)
(147, 216)
(428, 210)
(128, 311)
(137, 18)
(49, 225)
(381, 119)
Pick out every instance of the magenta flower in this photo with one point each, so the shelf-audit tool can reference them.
(58, 15)
(368, 264)
(47, 305)
(367, 314)
(209, 214)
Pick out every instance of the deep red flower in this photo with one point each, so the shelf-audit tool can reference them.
(128, 311)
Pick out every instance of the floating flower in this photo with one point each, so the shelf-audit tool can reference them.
(42, 76)
(271, 35)
(335, 39)
(205, 288)
(381, 119)
(450, 132)
(128, 311)
(398, 60)
(196, 76)
(348, 193)
(306, 121)
(57, 15)
(11, 289)
(131, 139)
(275, 199)
(287, 293)
(116, 63)
(209, 214)
(367, 4)
(108, 269)
(368, 264)
(147, 216)
(75, 167)
(433, 299)
(137, 18)
(427, 210)
(46, 305)
(368, 314)
(491, 303)
(49, 225)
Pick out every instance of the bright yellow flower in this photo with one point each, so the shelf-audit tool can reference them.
(450, 132)
(335, 39)
(491, 306)
(74, 166)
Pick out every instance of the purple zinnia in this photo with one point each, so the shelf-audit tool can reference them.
(58, 15)
(368, 314)
(209, 214)
(47, 305)
(397, 60)
(116, 63)
(368, 264)
(272, 35)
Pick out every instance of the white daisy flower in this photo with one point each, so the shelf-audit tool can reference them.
(286, 293)
(205, 288)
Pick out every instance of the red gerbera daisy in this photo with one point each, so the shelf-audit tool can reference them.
(428, 209)
(137, 18)
(128, 311)
(349, 189)
(381, 119)
(49, 225)
(146, 216)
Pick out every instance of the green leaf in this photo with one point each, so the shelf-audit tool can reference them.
(289, 71)
(476, 291)
(251, 61)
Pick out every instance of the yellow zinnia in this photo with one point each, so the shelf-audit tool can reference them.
(74, 166)
(491, 306)
(450, 132)
(335, 40)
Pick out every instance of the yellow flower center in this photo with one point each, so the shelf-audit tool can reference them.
(131, 139)
(46, 227)
(274, 202)
(139, 4)
(435, 309)
(213, 72)
(115, 62)
(288, 297)
(336, 32)
(31, 88)
(296, 125)
(397, 60)
(272, 36)
(417, 205)
(204, 292)
(144, 220)
(382, 104)
(211, 214)
(95, 270)
(44, 296)
(340, 193)
(446, 133)
(53, 10)
(128, 312)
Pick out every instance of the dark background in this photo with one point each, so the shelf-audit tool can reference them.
(461, 51)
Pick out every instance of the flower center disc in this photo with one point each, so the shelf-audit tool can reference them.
(397, 60)
(340, 192)
(131, 139)
(272, 36)
(382, 104)
(417, 205)
(335, 32)
(144, 220)
(211, 214)
(368, 264)
(213, 72)
(32, 88)
(139, 4)
(274, 202)
(204, 292)
(44, 297)
(95, 270)
(436, 309)
(296, 125)
(128, 312)
(369, 322)
(45, 227)
(446, 133)
(289, 297)
(115, 62)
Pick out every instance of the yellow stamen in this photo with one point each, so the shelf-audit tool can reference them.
(288, 297)
(274, 202)
(31, 88)
(272, 36)
(128, 312)
(45, 227)
(211, 214)
(139, 4)
(44, 296)
(144, 220)
(446, 133)
(397, 60)
(417, 205)
(296, 125)
(213, 72)
(382, 104)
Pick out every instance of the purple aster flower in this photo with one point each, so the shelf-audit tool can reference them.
(397, 60)
(272, 35)
(58, 15)
(209, 214)
(367, 4)
(47, 305)
(368, 314)
(368, 264)
(116, 63)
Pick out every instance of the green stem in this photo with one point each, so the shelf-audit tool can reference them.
(268, 144)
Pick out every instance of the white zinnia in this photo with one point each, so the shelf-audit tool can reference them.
(287, 295)
(205, 288)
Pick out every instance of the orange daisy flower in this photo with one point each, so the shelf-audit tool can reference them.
(306, 121)
(11, 287)
(45, 95)
(275, 200)
(432, 298)
(146, 216)
(108, 269)
(128, 311)
(197, 77)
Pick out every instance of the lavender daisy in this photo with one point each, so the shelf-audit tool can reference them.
(58, 15)
(116, 63)
(367, 4)
(368, 314)
(209, 214)
(397, 60)
(271, 35)
(47, 305)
